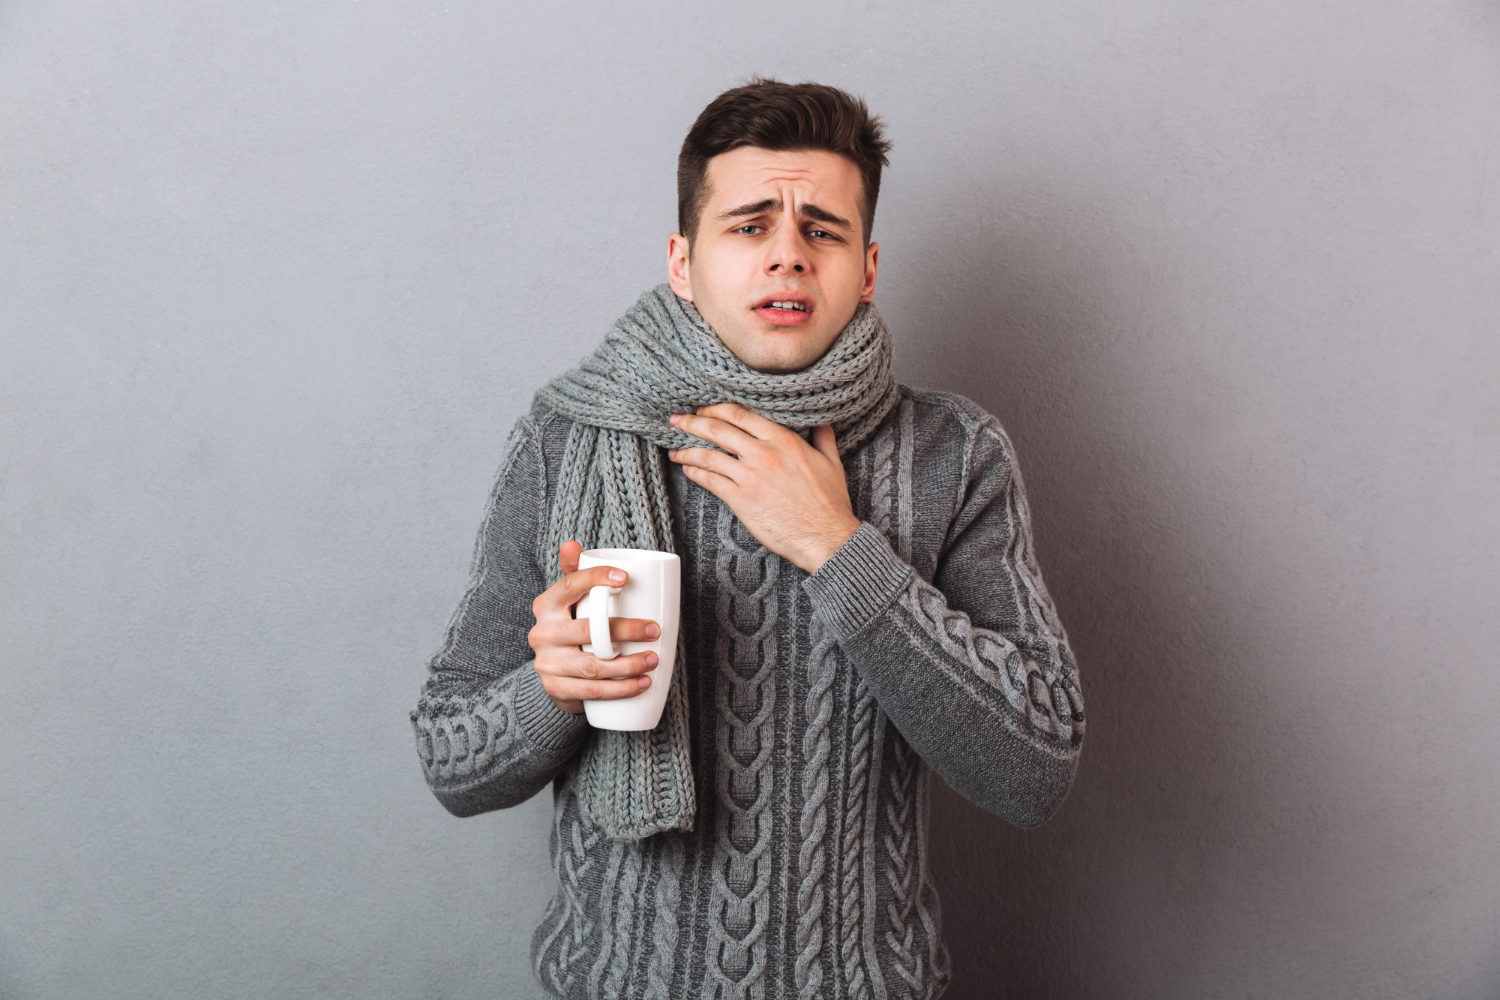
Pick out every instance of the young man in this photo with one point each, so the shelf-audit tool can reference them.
(860, 603)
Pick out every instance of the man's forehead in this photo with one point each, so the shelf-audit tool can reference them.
(747, 168)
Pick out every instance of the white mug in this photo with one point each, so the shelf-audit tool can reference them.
(653, 592)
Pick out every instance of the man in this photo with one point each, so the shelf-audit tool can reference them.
(860, 603)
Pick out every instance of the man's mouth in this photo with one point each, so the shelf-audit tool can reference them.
(784, 311)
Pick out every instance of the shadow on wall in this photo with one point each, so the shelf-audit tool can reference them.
(1124, 889)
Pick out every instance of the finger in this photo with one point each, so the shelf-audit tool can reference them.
(744, 418)
(827, 444)
(573, 662)
(706, 458)
(720, 432)
(568, 555)
(574, 632)
(720, 486)
(573, 689)
(562, 595)
(631, 629)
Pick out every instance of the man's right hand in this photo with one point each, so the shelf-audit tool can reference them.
(569, 675)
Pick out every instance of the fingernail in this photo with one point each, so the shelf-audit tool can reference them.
(671, 452)
(673, 419)
(616, 576)
(645, 681)
(651, 659)
(652, 631)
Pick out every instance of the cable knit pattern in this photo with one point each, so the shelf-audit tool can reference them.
(853, 855)
(747, 620)
(662, 960)
(819, 705)
(461, 732)
(812, 827)
(900, 868)
(607, 975)
(1047, 701)
(571, 915)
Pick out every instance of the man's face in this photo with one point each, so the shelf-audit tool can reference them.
(779, 262)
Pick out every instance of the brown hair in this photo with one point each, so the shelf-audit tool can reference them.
(780, 116)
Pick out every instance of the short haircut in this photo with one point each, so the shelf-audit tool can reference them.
(773, 115)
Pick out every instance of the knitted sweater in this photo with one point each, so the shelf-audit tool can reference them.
(817, 706)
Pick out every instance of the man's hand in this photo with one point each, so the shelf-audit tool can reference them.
(791, 495)
(569, 675)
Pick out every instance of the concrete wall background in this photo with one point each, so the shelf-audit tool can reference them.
(274, 283)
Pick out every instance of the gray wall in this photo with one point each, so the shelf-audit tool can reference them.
(276, 279)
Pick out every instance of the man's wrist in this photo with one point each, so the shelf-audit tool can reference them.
(822, 549)
(857, 583)
(542, 720)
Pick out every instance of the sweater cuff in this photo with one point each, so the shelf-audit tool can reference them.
(541, 721)
(858, 582)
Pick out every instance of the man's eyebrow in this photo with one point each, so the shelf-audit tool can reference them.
(754, 208)
(814, 212)
(767, 204)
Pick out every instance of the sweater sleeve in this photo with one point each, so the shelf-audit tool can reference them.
(974, 668)
(488, 736)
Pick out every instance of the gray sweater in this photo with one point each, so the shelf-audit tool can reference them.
(817, 705)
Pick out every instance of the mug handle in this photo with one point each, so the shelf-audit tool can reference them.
(598, 605)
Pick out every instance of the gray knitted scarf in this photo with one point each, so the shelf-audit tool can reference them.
(661, 358)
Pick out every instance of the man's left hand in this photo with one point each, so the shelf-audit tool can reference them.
(790, 495)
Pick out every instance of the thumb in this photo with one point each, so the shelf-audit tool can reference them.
(568, 555)
(823, 439)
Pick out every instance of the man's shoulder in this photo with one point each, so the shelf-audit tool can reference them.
(950, 404)
(548, 428)
(953, 418)
(534, 446)
(541, 415)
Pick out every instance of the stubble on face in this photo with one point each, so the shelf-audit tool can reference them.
(778, 264)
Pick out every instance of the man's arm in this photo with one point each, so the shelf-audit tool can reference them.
(488, 736)
(498, 717)
(973, 669)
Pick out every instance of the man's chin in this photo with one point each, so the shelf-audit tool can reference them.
(773, 362)
(776, 349)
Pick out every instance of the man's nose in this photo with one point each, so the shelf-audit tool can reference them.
(786, 253)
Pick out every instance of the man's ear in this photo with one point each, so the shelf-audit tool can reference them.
(872, 264)
(678, 272)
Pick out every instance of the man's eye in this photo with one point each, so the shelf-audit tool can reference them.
(822, 234)
(748, 230)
